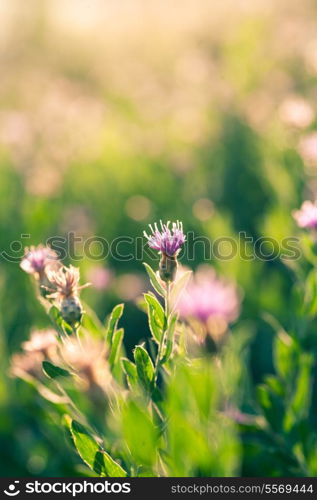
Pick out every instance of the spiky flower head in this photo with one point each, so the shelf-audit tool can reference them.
(306, 216)
(37, 259)
(65, 282)
(71, 310)
(167, 240)
(65, 289)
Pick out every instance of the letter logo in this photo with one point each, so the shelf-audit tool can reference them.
(12, 490)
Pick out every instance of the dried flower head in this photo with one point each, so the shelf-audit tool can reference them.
(166, 240)
(41, 341)
(66, 282)
(306, 216)
(65, 289)
(36, 260)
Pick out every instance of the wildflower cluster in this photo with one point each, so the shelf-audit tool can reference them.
(170, 407)
(56, 282)
(89, 371)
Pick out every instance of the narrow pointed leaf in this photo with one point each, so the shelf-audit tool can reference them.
(156, 316)
(116, 347)
(53, 371)
(169, 338)
(91, 452)
(60, 325)
(144, 366)
(158, 287)
(113, 321)
(178, 288)
(130, 371)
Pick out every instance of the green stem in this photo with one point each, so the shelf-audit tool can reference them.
(162, 341)
(76, 331)
(167, 301)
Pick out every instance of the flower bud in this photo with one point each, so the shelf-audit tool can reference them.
(71, 310)
(168, 267)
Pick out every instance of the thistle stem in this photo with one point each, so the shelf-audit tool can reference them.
(76, 331)
(167, 301)
(162, 340)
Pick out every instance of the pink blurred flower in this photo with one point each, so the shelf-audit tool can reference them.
(297, 112)
(130, 286)
(99, 277)
(208, 297)
(42, 341)
(26, 365)
(36, 259)
(306, 216)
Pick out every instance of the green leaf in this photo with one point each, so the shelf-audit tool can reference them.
(92, 323)
(158, 287)
(285, 354)
(130, 371)
(156, 316)
(310, 297)
(276, 385)
(61, 326)
(272, 406)
(113, 469)
(53, 371)
(172, 321)
(146, 472)
(116, 347)
(113, 321)
(91, 453)
(307, 245)
(302, 394)
(178, 287)
(144, 366)
(140, 434)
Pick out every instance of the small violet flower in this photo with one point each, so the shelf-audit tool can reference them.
(306, 216)
(166, 240)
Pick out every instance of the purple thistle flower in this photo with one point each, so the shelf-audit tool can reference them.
(36, 259)
(306, 216)
(166, 240)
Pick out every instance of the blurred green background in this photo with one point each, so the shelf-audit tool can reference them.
(118, 113)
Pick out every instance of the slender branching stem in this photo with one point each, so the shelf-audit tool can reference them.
(162, 340)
